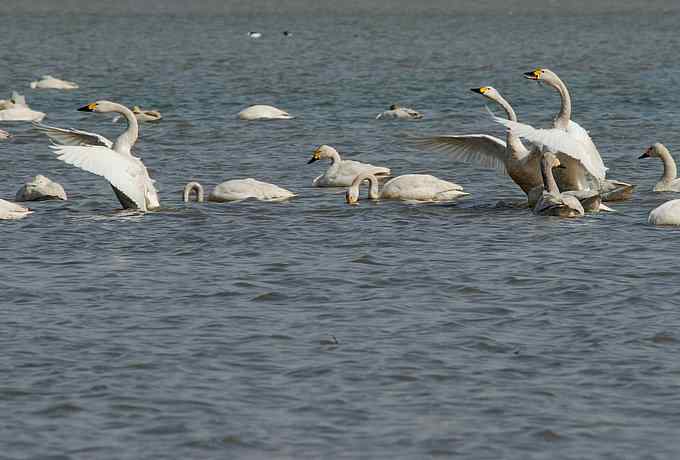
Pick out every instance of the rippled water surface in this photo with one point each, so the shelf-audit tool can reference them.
(311, 329)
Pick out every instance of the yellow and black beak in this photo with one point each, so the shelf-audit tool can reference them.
(88, 107)
(533, 75)
(315, 157)
(482, 90)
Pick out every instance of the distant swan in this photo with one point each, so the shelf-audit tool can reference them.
(521, 164)
(39, 189)
(552, 202)
(239, 189)
(143, 115)
(341, 173)
(16, 109)
(12, 211)
(666, 214)
(49, 82)
(263, 112)
(399, 113)
(409, 187)
(114, 161)
(4, 135)
(254, 34)
(669, 181)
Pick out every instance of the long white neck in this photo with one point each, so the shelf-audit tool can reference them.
(564, 116)
(512, 140)
(549, 183)
(193, 186)
(334, 156)
(670, 172)
(373, 187)
(126, 140)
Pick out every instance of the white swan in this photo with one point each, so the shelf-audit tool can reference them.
(397, 112)
(669, 181)
(263, 112)
(409, 187)
(552, 202)
(17, 110)
(239, 189)
(49, 82)
(341, 173)
(12, 211)
(41, 188)
(255, 34)
(4, 135)
(143, 115)
(112, 160)
(522, 165)
(666, 214)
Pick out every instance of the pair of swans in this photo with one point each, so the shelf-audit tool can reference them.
(49, 82)
(113, 161)
(409, 187)
(263, 112)
(572, 143)
(396, 112)
(341, 173)
(16, 109)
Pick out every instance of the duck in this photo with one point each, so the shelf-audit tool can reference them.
(49, 82)
(669, 181)
(16, 109)
(408, 187)
(12, 211)
(263, 112)
(114, 161)
(666, 214)
(396, 112)
(341, 173)
(237, 190)
(552, 202)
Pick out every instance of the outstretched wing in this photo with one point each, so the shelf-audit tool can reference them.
(481, 149)
(558, 140)
(123, 172)
(73, 137)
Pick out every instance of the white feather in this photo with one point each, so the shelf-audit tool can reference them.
(481, 149)
(75, 137)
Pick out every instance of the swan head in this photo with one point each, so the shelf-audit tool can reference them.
(487, 91)
(352, 195)
(542, 74)
(324, 151)
(99, 107)
(653, 150)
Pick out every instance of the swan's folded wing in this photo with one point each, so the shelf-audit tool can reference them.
(557, 140)
(73, 137)
(481, 149)
(121, 171)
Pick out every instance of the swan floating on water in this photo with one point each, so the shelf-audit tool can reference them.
(552, 202)
(254, 34)
(522, 165)
(49, 82)
(263, 112)
(666, 214)
(237, 190)
(669, 181)
(4, 135)
(41, 188)
(341, 173)
(12, 211)
(397, 112)
(16, 109)
(409, 187)
(114, 161)
(143, 115)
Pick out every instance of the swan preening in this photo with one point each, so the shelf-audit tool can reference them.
(16, 109)
(341, 173)
(669, 180)
(396, 112)
(409, 187)
(237, 190)
(49, 82)
(263, 112)
(39, 189)
(112, 160)
(12, 211)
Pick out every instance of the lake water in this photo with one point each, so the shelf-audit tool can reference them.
(313, 329)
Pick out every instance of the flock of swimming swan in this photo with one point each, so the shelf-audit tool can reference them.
(559, 169)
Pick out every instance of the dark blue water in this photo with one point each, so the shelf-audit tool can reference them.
(475, 330)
